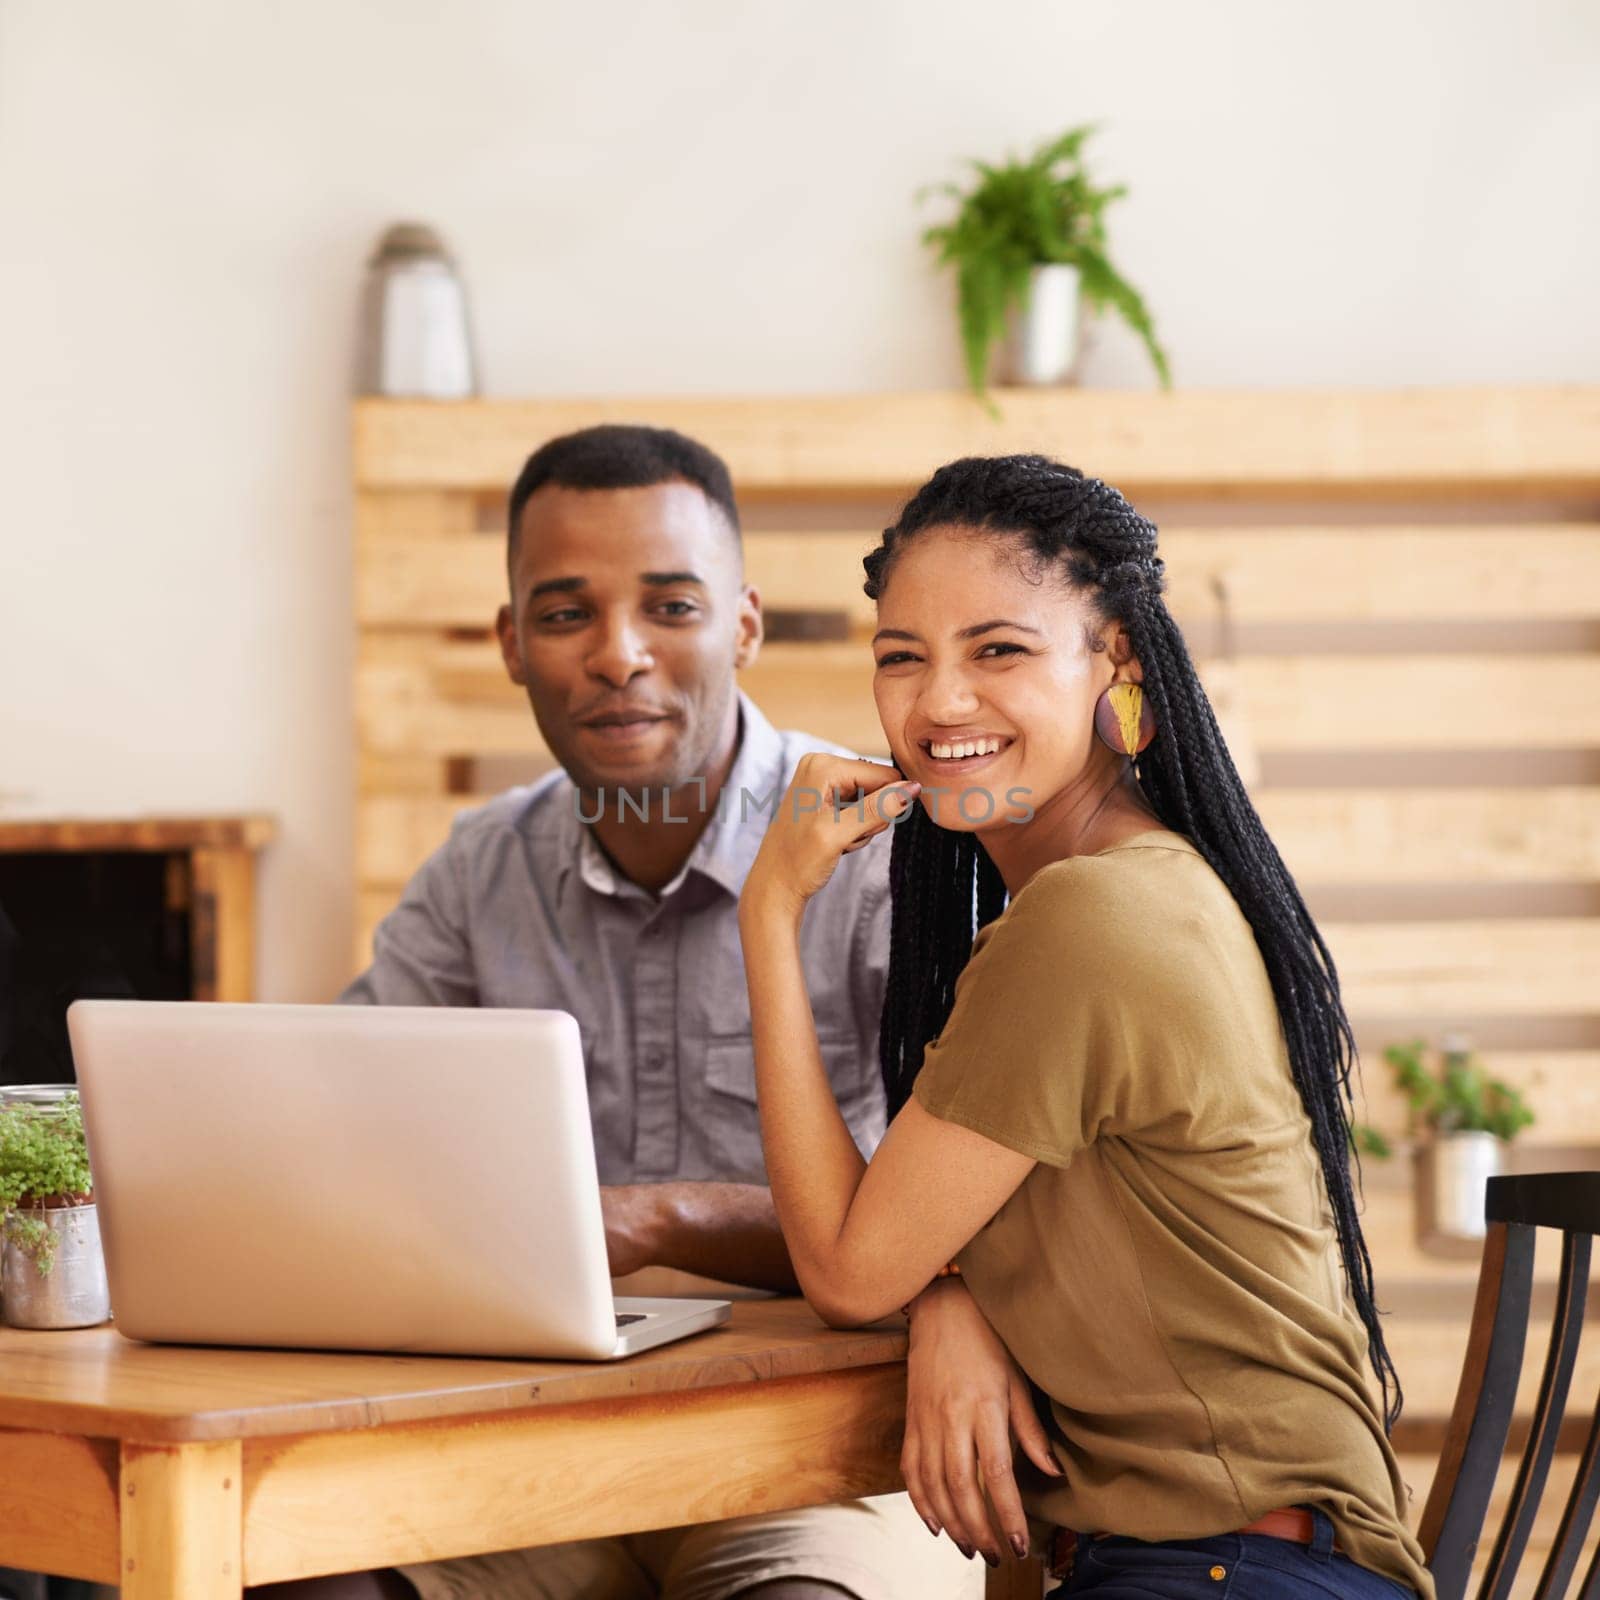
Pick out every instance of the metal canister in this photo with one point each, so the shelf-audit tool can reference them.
(416, 339)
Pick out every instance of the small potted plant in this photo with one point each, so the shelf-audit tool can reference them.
(1461, 1120)
(1028, 244)
(52, 1272)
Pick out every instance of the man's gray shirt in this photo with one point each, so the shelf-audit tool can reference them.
(520, 907)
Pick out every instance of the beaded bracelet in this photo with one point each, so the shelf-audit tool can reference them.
(948, 1270)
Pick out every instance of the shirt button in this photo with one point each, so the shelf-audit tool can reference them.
(1218, 1574)
(653, 1062)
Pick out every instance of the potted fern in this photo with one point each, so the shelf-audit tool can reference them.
(1028, 245)
(1462, 1120)
(52, 1271)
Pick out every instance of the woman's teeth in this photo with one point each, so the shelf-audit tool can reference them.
(968, 747)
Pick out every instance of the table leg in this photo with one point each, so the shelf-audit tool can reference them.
(1015, 1580)
(181, 1521)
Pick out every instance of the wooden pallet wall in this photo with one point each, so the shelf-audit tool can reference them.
(1412, 584)
(1412, 579)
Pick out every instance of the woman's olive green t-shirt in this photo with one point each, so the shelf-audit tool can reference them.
(1168, 1274)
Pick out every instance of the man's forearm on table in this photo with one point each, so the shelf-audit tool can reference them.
(718, 1230)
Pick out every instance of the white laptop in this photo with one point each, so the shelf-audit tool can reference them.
(389, 1178)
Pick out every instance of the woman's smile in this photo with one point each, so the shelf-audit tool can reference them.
(961, 751)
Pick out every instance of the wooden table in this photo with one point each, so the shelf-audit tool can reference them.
(183, 1474)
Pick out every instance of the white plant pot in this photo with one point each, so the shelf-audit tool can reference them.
(1043, 347)
(1451, 1171)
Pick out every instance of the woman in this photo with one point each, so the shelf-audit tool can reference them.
(1122, 1109)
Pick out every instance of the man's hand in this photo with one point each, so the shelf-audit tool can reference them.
(635, 1222)
(966, 1400)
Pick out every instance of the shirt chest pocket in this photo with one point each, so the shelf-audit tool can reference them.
(730, 1075)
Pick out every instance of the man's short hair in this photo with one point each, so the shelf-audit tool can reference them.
(622, 456)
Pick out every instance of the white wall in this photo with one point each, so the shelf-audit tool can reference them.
(707, 196)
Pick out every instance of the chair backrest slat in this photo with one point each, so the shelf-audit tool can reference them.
(1565, 1330)
(1452, 1520)
(1575, 1522)
(1591, 1583)
(1515, 1209)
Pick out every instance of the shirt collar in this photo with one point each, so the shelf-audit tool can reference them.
(726, 849)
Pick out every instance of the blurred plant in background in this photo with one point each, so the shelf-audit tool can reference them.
(1458, 1096)
(1454, 1096)
(1022, 215)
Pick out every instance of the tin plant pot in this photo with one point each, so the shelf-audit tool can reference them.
(52, 1271)
(1450, 1171)
(62, 1284)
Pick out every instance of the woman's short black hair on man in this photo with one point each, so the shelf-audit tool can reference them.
(619, 455)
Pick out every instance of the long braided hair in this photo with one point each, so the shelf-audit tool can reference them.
(945, 887)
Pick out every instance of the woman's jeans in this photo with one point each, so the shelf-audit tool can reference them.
(1232, 1566)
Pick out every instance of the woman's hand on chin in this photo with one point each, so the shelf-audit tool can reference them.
(835, 805)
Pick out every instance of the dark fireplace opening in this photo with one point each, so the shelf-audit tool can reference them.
(89, 925)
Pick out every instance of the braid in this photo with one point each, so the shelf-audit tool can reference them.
(944, 886)
(940, 881)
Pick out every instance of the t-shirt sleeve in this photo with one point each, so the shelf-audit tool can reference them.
(1052, 1014)
(421, 951)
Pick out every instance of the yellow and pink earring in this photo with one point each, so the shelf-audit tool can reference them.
(1123, 719)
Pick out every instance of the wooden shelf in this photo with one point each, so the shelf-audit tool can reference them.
(158, 834)
(1214, 443)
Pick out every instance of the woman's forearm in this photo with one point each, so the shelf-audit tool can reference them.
(863, 1239)
(812, 1161)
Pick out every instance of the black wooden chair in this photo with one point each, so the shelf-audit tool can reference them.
(1474, 1446)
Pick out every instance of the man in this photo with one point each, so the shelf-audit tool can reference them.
(610, 890)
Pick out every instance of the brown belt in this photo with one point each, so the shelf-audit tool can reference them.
(1295, 1523)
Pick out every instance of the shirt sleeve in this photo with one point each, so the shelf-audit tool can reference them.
(1054, 1037)
(422, 951)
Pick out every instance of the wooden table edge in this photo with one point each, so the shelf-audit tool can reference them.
(686, 1366)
